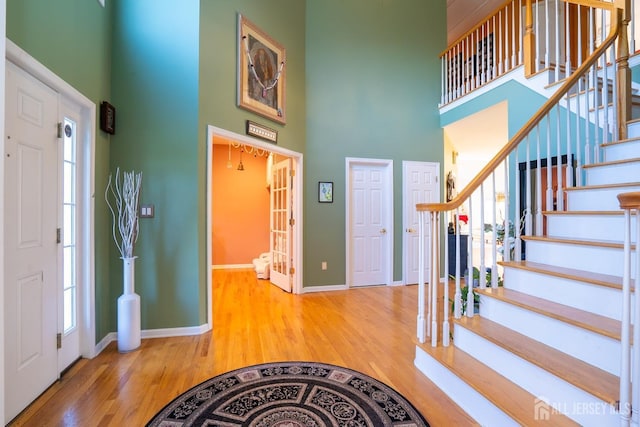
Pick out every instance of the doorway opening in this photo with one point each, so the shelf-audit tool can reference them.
(235, 153)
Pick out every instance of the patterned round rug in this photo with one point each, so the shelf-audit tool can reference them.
(290, 394)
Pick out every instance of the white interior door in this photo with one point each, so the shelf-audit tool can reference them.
(420, 185)
(31, 248)
(370, 224)
(281, 226)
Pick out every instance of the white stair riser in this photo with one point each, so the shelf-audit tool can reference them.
(613, 174)
(595, 259)
(597, 199)
(472, 402)
(621, 151)
(537, 381)
(593, 348)
(597, 299)
(633, 130)
(591, 227)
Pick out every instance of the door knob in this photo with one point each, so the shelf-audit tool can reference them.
(410, 230)
(383, 231)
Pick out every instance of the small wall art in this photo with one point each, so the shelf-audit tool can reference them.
(325, 192)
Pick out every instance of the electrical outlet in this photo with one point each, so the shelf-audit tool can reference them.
(324, 265)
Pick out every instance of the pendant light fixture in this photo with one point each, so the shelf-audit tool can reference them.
(240, 165)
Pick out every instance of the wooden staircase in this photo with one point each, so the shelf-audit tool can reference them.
(545, 349)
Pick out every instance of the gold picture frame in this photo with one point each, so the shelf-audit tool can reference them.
(261, 72)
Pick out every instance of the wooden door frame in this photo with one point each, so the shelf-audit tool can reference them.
(388, 181)
(296, 251)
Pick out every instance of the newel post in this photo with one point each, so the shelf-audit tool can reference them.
(624, 72)
(529, 41)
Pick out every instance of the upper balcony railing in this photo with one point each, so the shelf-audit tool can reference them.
(552, 35)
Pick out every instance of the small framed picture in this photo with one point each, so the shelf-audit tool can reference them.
(325, 192)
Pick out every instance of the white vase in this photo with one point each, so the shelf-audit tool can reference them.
(128, 310)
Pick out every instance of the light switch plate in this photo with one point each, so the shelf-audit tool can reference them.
(147, 211)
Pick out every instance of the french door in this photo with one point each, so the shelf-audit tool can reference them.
(281, 225)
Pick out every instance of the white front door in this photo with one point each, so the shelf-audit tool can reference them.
(31, 239)
(370, 223)
(281, 225)
(420, 185)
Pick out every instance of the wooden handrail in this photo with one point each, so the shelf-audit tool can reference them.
(616, 21)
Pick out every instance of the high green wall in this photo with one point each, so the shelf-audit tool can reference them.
(373, 85)
(73, 39)
(282, 20)
(363, 80)
(155, 91)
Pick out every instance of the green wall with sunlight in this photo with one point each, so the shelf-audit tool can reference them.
(373, 87)
(362, 80)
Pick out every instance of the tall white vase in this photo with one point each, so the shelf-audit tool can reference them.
(128, 310)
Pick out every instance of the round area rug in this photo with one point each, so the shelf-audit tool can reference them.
(290, 394)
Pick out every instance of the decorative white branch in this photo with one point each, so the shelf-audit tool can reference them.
(125, 193)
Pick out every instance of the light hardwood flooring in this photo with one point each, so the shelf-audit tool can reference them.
(369, 329)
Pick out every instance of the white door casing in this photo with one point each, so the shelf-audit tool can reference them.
(297, 205)
(31, 249)
(419, 185)
(280, 233)
(369, 222)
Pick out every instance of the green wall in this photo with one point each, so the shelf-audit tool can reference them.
(73, 39)
(373, 85)
(362, 80)
(155, 91)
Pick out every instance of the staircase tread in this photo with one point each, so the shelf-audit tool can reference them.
(615, 244)
(593, 380)
(583, 319)
(568, 273)
(560, 213)
(620, 141)
(613, 162)
(603, 186)
(606, 280)
(512, 399)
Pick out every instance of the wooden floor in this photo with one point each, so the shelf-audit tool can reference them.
(368, 329)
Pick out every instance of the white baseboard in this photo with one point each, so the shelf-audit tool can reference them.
(231, 266)
(308, 289)
(154, 333)
(176, 332)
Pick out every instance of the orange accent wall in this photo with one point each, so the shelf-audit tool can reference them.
(240, 207)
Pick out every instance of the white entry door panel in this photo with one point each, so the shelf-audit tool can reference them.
(281, 197)
(31, 249)
(370, 224)
(420, 185)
